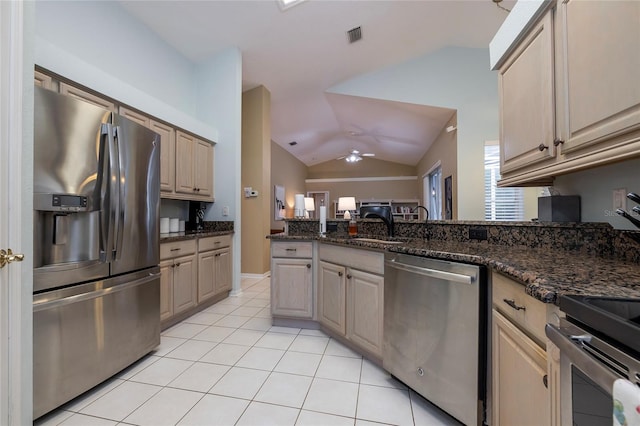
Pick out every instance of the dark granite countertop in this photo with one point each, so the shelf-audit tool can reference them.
(545, 273)
(190, 235)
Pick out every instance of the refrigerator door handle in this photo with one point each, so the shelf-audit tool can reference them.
(121, 204)
(114, 193)
(104, 182)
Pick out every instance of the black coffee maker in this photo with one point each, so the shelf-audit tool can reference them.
(196, 216)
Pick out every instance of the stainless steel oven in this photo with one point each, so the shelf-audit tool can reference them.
(598, 342)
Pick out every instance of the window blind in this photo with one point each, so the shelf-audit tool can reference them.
(500, 203)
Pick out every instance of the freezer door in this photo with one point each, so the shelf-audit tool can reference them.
(84, 334)
(136, 228)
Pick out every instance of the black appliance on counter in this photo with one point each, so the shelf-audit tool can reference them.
(599, 342)
(196, 216)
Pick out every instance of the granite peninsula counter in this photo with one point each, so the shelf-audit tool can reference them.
(605, 262)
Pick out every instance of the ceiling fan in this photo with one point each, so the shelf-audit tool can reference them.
(355, 156)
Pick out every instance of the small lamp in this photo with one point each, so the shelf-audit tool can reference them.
(347, 204)
(309, 206)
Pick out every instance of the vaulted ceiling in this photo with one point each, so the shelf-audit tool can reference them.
(300, 53)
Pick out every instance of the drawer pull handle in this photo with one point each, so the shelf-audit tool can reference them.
(308, 266)
(175, 249)
(291, 249)
(545, 381)
(542, 147)
(512, 303)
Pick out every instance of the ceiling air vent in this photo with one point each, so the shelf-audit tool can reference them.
(354, 34)
(293, 143)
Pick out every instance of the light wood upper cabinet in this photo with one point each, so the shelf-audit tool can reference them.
(42, 80)
(570, 87)
(141, 119)
(167, 154)
(601, 53)
(67, 89)
(527, 110)
(194, 166)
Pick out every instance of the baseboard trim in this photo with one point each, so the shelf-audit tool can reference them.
(256, 276)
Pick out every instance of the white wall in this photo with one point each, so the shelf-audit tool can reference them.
(452, 77)
(99, 45)
(595, 188)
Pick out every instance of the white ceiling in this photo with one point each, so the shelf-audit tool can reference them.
(300, 53)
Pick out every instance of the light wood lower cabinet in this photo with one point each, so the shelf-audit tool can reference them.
(178, 283)
(332, 296)
(193, 272)
(214, 267)
(292, 279)
(519, 371)
(524, 384)
(351, 295)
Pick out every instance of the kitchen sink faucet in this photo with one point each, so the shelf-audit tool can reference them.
(425, 234)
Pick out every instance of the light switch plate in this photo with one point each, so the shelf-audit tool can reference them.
(620, 199)
(225, 211)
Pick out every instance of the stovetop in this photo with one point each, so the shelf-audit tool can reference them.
(616, 319)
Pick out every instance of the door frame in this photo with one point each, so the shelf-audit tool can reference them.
(16, 203)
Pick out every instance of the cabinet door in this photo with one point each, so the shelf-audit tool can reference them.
(42, 80)
(602, 61)
(203, 168)
(519, 366)
(206, 275)
(166, 289)
(184, 283)
(292, 288)
(527, 112)
(141, 119)
(185, 153)
(365, 294)
(167, 155)
(223, 270)
(332, 296)
(74, 92)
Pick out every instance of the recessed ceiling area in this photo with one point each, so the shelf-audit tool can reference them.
(393, 131)
(300, 53)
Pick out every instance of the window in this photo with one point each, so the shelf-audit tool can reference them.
(499, 203)
(432, 187)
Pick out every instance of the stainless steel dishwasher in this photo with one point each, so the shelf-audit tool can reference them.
(435, 332)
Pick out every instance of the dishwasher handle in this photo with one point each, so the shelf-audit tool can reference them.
(433, 273)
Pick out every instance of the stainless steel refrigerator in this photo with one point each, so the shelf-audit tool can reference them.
(96, 302)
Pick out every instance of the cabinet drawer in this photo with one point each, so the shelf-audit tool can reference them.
(176, 249)
(364, 260)
(292, 249)
(532, 318)
(213, 243)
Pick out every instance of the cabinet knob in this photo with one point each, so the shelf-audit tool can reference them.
(308, 266)
(348, 276)
(557, 142)
(542, 147)
(339, 274)
(177, 265)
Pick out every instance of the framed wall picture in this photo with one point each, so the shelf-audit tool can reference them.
(279, 205)
(448, 198)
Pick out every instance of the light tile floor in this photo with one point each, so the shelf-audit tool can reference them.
(228, 366)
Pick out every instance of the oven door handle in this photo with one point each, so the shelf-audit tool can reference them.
(597, 372)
